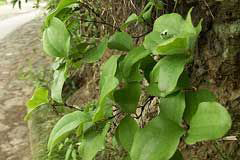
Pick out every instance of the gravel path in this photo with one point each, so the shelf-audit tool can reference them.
(20, 53)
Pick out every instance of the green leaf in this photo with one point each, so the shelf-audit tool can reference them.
(172, 35)
(93, 143)
(59, 77)
(157, 141)
(108, 82)
(172, 107)
(56, 39)
(175, 45)
(193, 99)
(135, 75)
(134, 56)
(167, 72)
(120, 41)
(61, 5)
(147, 65)
(133, 18)
(211, 121)
(170, 23)
(177, 156)
(65, 125)
(128, 97)
(96, 53)
(126, 132)
(40, 97)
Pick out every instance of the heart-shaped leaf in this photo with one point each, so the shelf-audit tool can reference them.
(172, 107)
(211, 121)
(157, 141)
(193, 99)
(126, 132)
(120, 41)
(56, 39)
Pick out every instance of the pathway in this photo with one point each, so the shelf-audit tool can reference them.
(19, 52)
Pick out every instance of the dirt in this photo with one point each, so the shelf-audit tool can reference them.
(20, 55)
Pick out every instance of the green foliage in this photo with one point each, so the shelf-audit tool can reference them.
(124, 78)
(65, 125)
(127, 128)
(56, 39)
(120, 41)
(39, 97)
(59, 77)
(163, 136)
(211, 121)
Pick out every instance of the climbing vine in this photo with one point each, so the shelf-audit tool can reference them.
(154, 68)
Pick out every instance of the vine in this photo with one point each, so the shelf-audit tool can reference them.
(192, 115)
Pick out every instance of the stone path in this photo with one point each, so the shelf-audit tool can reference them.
(20, 52)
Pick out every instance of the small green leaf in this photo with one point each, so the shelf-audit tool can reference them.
(157, 141)
(211, 121)
(108, 82)
(68, 153)
(61, 5)
(147, 65)
(65, 125)
(131, 19)
(126, 132)
(172, 107)
(93, 143)
(59, 77)
(128, 97)
(40, 97)
(56, 39)
(193, 99)
(120, 41)
(96, 53)
(134, 56)
(167, 72)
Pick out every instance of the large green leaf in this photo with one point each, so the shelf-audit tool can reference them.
(56, 39)
(59, 77)
(128, 97)
(65, 125)
(120, 41)
(172, 107)
(93, 143)
(157, 141)
(134, 56)
(126, 132)
(211, 121)
(96, 53)
(108, 82)
(193, 99)
(39, 97)
(167, 72)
